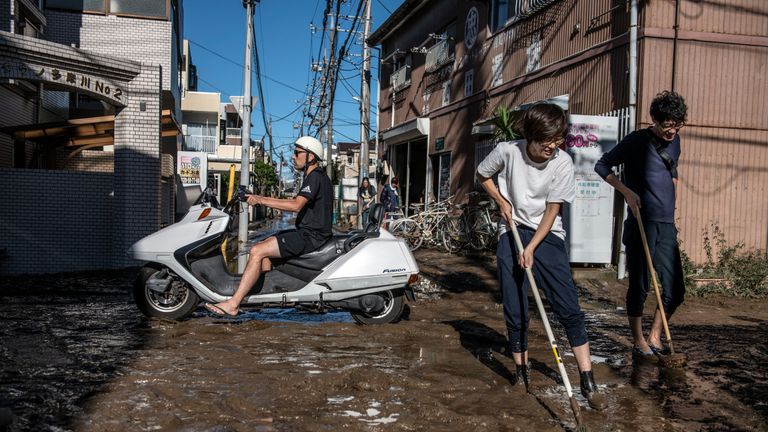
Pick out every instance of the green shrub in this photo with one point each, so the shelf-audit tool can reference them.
(736, 272)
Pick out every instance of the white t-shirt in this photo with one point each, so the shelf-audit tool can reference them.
(529, 185)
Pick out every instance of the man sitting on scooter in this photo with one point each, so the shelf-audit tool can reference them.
(314, 204)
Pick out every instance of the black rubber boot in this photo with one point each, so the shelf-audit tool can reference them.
(523, 374)
(589, 390)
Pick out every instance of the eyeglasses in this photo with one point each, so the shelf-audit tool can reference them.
(298, 152)
(557, 142)
(669, 126)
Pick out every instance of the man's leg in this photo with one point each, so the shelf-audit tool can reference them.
(638, 283)
(666, 261)
(265, 249)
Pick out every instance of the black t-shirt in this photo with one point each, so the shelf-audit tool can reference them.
(317, 214)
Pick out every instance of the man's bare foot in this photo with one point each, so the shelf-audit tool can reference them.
(221, 310)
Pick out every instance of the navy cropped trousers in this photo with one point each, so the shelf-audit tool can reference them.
(553, 276)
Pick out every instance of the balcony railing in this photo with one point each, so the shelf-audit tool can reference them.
(439, 55)
(200, 143)
(401, 78)
(234, 132)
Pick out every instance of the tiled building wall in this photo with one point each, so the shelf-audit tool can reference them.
(87, 160)
(48, 228)
(116, 36)
(137, 212)
(134, 209)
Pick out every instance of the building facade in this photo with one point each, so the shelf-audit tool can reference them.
(447, 65)
(89, 129)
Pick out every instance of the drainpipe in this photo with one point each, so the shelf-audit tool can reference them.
(633, 65)
(674, 43)
(621, 270)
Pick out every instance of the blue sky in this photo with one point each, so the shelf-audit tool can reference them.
(216, 31)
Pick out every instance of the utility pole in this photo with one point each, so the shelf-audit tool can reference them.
(271, 161)
(245, 140)
(365, 105)
(329, 81)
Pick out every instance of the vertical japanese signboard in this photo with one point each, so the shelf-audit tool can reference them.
(444, 177)
(589, 219)
(192, 168)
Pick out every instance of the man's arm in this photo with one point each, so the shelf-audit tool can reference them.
(615, 157)
(633, 200)
(291, 205)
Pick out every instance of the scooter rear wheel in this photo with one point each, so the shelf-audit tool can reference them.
(394, 304)
(176, 304)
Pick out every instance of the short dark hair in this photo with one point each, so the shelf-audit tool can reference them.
(669, 105)
(542, 122)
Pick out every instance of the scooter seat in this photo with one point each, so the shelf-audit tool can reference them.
(323, 255)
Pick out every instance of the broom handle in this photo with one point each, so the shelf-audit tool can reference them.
(655, 282)
(542, 312)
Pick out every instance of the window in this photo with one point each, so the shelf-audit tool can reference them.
(77, 5)
(201, 129)
(350, 160)
(504, 12)
(141, 8)
(469, 82)
(147, 8)
(192, 78)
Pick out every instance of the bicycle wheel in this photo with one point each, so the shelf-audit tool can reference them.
(453, 234)
(482, 231)
(410, 231)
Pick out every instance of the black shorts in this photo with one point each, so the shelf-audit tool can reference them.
(293, 243)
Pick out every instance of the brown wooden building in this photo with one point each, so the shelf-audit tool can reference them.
(447, 64)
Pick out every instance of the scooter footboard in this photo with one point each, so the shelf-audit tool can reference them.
(212, 272)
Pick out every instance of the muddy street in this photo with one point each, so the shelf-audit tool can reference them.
(77, 355)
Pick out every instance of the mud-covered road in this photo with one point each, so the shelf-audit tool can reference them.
(75, 354)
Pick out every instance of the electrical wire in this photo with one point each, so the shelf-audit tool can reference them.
(304, 92)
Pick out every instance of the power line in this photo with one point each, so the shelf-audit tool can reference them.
(385, 8)
(304, 92)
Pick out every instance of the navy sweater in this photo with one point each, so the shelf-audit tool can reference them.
(645, 172)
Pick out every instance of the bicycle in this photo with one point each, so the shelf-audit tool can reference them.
(427, 225)
(483, 229)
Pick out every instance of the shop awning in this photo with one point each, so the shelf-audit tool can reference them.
(407, 131)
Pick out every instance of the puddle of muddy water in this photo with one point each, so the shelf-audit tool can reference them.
(88, 363)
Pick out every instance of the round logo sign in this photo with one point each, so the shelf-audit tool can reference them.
(470, 28)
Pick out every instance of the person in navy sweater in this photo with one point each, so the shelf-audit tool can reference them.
(649, 182)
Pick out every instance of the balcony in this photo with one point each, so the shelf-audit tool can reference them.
(401, 78)
(200, 143)
(439, 55)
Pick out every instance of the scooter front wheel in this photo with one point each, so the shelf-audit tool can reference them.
(176, 303)
(394, 304)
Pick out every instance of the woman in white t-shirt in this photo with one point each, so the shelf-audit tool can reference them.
(535, 178)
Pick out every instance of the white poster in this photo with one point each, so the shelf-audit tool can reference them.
(192, 168)
(589, 219)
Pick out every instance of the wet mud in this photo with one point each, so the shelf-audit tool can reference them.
(76, 354)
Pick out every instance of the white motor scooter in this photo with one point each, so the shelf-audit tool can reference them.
(367, 273)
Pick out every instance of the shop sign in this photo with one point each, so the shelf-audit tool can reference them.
(440, 144)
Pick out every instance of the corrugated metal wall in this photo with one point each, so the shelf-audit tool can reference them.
(742, 17)
(723, 179)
